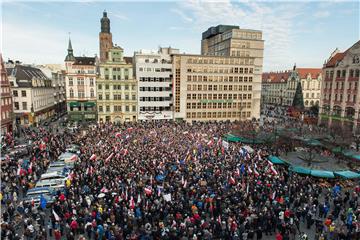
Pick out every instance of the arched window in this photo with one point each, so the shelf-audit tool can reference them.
(356, 59)
(306, 102)
(308, 85)
(338, 73)
(357, 73)
(343, 73)
(311, 103)
(351, 73)
(71, 93)
(92, 93)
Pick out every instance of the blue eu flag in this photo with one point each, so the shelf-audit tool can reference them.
(43, 202)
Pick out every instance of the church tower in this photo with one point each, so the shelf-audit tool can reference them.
(105, 38)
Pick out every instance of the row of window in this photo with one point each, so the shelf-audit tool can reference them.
(218, 114)
(5, 115)
(117, 69)
(195, 87)
(116, 97)
(341, 85)
(217, 60)
(152, 79)
(116, 87)
(6, 89)
(339, 97)
(155, 69)
(16, 94)
(196, 78)
(117, 77)
(81, 93)
(200, 105)
(219, 70)
(81, 81)
(154, 99)
(216, 96)
(117, 108)
(342, 73)
(6, 101)
(17, 106)
(155, 89)
(152, 109)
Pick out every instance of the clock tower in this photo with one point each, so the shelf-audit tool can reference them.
(105, 38)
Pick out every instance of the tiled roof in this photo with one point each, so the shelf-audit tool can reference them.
(332, 62)
(275, 77)
(84, 61)
(27, 73)
(303, 72)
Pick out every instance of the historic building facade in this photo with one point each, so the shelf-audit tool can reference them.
(340, 92)
(6, 101)
(279, 87)
(33, 94)
(80, 81)
(155, 87)
(116, 83)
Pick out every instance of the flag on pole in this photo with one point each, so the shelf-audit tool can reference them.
(117, 135)
(249, 170)
(57, 218)
(256, 173)
(273, 170)
(210, 143)
(109, 158)
(232, 180)
(73, 157)
(148, 191)
(93, 157)
(132, 203)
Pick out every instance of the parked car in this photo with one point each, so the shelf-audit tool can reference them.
(53, 176)
(73, 148)
(53, 185)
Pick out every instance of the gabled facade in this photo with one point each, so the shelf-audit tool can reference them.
(80, 81)
(340, 92)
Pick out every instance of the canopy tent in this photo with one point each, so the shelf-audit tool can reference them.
(322, 174)
(275, 160)
(299, 169)
(313, 142)
(347, 174)
(233, 138)
(357, 157)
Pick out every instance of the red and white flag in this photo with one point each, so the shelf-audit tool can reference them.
(237, 172)
(18, 172)
(270, 163)
(109, 158)
(185, 184)
(89, 170)
(148, 191)
(132, 203)
(138, 199)
(256, 173)
(249, 170)
(30, 168)
(219, 219)
(93, 157)
(73, 157)
(125, 152)
(57, 218)
(232, 180)
(210, 143)
(273, 170)
(117, 135)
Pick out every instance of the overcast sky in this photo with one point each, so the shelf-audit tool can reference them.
(303, 32)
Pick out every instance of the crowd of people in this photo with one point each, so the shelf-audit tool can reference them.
(171, 180)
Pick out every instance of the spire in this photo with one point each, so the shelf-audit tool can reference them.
(105, 23)
(294, 67)
(70, 55)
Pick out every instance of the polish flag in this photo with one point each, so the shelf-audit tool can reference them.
(256, 173)
(219, 142)
(18, 172)
(210, 143)
(117, 135)
(148, 191)
(73, 158)
(273, 170)
(93, 157)
(249, 170)
(30, 168)
(132, 203)
(270, 163)
(57, 218)
(89, 170)
(109, 158)
(125, 152)
(219, 219)
(231, 180)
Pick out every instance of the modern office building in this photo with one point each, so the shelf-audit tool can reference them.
(6, 101)
(214, 88)
(80, 81)
(155, 87)
(116, 83)
(33, 94)
(340, 96)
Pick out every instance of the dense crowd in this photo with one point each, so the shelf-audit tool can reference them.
(168, 180)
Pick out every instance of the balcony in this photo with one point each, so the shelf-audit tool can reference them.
(350, 104)
(340, 79)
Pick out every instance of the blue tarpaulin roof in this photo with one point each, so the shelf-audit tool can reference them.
(322, 174)
(347, 174)
(357, 157)
(275, 160)
(301, 170)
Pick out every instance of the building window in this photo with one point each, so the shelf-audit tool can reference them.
(106, 86)
(80, 81)
(81, 94)
(107, 97)
(24, 105)
(15, 93)
(23, 93)
(100, 86)
(92, 93)
(133, 97)
(91, 82)
(71, 93)
(127, 109)
(100, 108)
(71, 82)
(100, 96)
(134, 108)
(16, 105)
(107, 108)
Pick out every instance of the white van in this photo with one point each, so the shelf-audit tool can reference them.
(54, 185)
(53, 176)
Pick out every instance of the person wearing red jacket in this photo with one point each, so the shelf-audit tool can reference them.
(74, 226)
